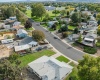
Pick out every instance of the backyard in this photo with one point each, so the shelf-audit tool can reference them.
(31, 57)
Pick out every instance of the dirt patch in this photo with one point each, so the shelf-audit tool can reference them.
(4, 51)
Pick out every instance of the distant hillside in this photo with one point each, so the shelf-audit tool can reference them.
(80, 0)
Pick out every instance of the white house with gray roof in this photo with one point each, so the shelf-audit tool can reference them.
(89, 39)
(48, 68)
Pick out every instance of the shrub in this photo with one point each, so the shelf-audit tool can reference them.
(50, 18)
(98, 44)
(64, 34)
(80, 38)
(90, 50)
(45, 20)
(73, 24)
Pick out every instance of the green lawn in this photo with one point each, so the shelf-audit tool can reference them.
(74, 73)
(31, 57)
(30, 29)
(51, 14)
(28, 13)
(44, 25)
(71, 27)
(62, 58)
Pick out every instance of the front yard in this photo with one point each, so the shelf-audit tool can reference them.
(31, 57)
(62, 58)
(28, 13)
(71, 27)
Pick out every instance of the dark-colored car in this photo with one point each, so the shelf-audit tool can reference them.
(39, 48)
(45, 47)
(55, 38)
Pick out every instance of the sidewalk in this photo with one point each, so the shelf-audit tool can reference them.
(56, 55)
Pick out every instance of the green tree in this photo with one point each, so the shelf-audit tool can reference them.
(89, 68)
(7, 11)
(80, 38)
(63, 12)
(75, 30)
(98, 16)
(9, 71)
(75, 17)
(99, 22)
(28, 24)
(20, 16)
(11, 11)
(13, 57)
(38, 10)
(38, 35)
(98, 30)
(46, 17)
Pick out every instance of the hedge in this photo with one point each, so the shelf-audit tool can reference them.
(90, 50)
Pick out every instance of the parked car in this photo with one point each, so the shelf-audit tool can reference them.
(45, 47)
(55, 38)
(39, 48)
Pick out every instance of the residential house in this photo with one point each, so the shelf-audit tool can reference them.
(13, 18)
(10, 21)
(50, 24)
(73, 37)
(83, 24)
(21, 48)
(21, 33)
(92, 23)
(92, 18)
(49, 8)
(87, 12)
(18, 27)
(49, 68)
(33, 43)
(89, 39)
(2, 25)
(16, 23)
(28, 40)
(7, 27)
(66, 20)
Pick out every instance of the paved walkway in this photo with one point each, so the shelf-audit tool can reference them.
(56, 55)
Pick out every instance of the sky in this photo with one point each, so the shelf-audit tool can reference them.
(8, 0)
(18, 0)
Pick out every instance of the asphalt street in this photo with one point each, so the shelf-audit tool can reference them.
(59, 45)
